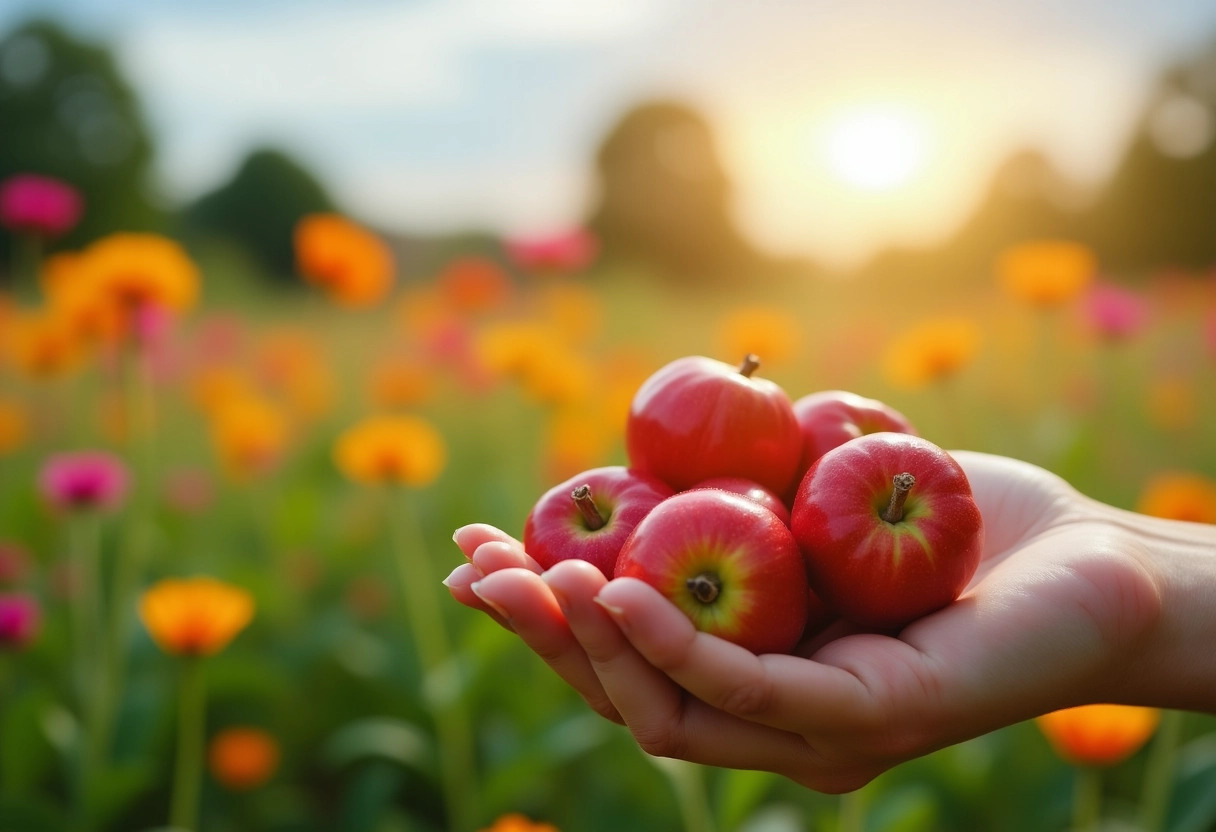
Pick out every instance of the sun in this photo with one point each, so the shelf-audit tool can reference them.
(876, 148)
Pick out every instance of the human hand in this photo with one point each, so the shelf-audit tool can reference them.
(1057, 615)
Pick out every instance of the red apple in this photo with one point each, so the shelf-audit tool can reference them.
(590, 515)
(889, 529)
(752, 490)
(697, 418)
(829, 418)
(728, 563)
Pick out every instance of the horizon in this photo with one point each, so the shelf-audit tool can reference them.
(437, 116)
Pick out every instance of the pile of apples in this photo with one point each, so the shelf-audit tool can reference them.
(763, 518)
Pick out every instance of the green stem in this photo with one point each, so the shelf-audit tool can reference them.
(688, 780)
(1087, 800)
(84, 547)
(137, 534)
(191, 726)
(851, 810)
(1159, 772)
(452, 726)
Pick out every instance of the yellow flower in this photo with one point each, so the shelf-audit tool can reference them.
(391, 450)
(1046, 272)
(515, 822)
(195, 616)
(14, 425)
(250, 435)
(1180, 495)
(1099, 735)
(768, 332)
(352, 265)
(931, 351)
(242, 758)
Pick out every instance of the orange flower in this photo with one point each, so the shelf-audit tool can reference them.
(14, 425)
(293, 367)
(250, 435)
(572, 309)
(515, 822)
(474, 284)
(352, 265)
(211, 388)
(1046, 272)
(1099, 735)
(930, 352)
(129, 274)
(391, 450)
(42, 344)
(243, 758)
(399, 382)
(539, 359)
(195, 616)
(771, 333)
(1180, 495)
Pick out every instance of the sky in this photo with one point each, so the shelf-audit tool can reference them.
(844, 125)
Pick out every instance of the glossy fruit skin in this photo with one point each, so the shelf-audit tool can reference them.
(752, 490)
(829, 418)
(763, 599)
(878, 574)
(555, 529)
(697, 418)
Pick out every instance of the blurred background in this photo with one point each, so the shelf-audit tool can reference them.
(290, 290)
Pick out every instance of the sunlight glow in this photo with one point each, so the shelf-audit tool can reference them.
(877, 149)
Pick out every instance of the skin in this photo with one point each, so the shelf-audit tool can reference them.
(1074, 602)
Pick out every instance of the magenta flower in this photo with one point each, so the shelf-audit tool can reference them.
(569, 251)
(83, 479)
(20, 620)
(39, 205)
(1114, 312)
(14, 562)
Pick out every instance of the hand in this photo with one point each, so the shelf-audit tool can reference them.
(1058, 614)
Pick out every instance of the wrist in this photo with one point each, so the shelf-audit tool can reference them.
(1171, 663)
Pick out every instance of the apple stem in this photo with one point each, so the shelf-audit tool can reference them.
(895, 509)
(751, 363)
(586, 506)
(704, 587)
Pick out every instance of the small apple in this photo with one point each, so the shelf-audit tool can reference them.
(728, 563)
(752, 490)
(829, 418)
(889, 529)
(697, 418)
(590, 515)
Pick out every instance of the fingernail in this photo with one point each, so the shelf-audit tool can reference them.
(616, 613)
(464, 567)
(492, 605)
(459, 533)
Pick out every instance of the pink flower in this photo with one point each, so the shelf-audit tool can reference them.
(83, 479)
(1114, 312)
(14, 562)
(39, 205)
(569, 251)
(20, 620)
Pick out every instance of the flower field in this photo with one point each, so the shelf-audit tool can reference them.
(225, 516)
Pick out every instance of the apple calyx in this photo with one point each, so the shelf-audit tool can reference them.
(587, 507)
(751, 363)
(895, 509)
(704, 587)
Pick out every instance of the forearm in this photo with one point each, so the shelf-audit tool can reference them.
(1174, 665)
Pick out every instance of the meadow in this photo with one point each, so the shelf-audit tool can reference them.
(312, 450)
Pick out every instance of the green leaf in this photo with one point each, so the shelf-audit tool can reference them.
(379, 737)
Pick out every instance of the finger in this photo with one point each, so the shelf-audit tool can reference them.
(785, 692)
(469, 537)
(528, 607)
(663, 719)
(494, 555)
(460, 585)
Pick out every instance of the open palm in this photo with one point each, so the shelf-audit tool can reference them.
(1058, 598)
